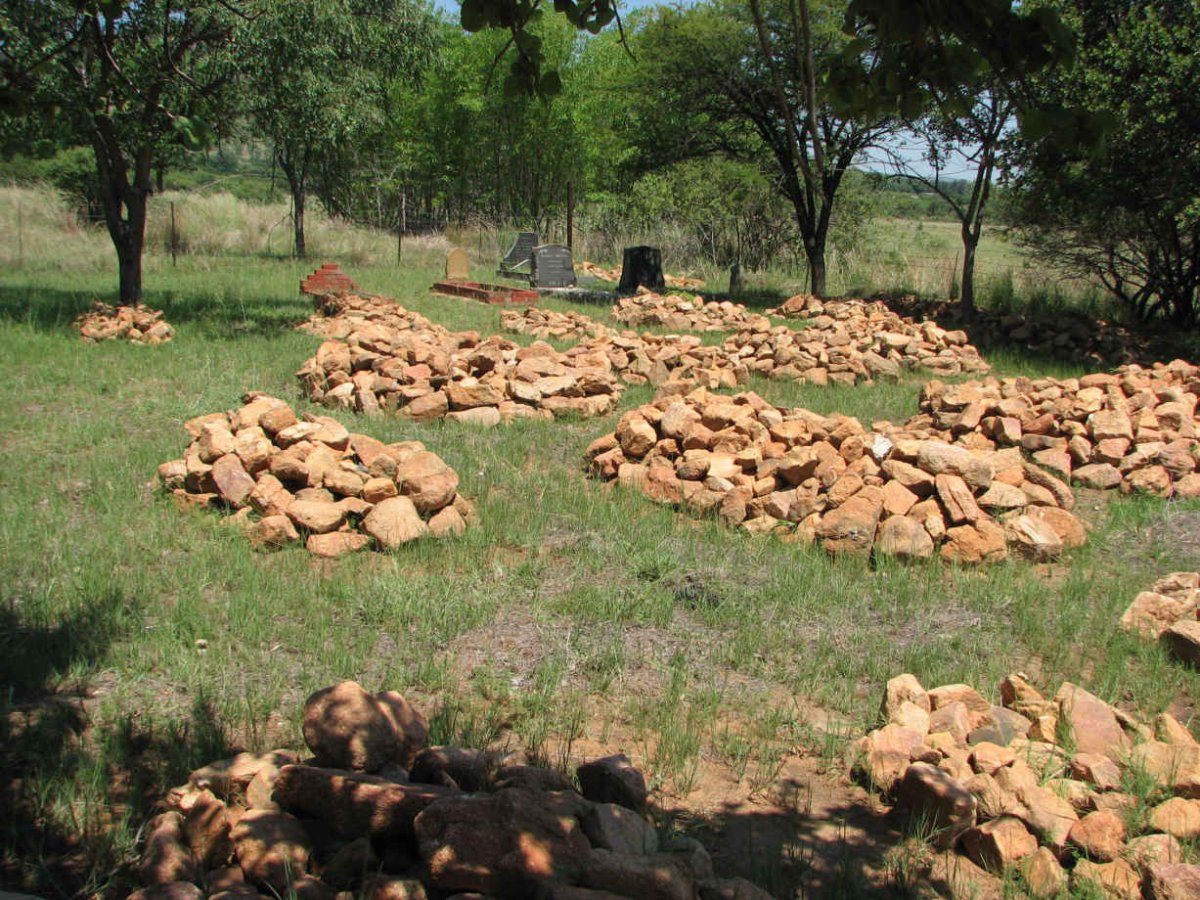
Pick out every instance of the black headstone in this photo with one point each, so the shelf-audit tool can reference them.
(641, 267)
(552, 266)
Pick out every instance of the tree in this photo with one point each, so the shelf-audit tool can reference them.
(758, 71)
(1125, 212)
(953, 136)
(128, 81)
(316, 78)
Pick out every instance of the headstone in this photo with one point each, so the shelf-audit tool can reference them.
(552, 266)
(519, 258)
(457, 265)
(641, 267)
(735, 279)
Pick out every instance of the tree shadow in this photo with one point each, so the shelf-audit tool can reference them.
(218, 316)
(74, 791)
(792, 850)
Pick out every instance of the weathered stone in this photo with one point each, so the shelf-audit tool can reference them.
(508, 841)
(1096, 769)
(348, 728)
(272, 848)
(1177, 817)
(207, 825)
(353, 804)
(903, 538)
(1000, 843)
(1116, 879)
(1043, 875)
(1182, 640)
(658, 877)
(850, 528)
(929, 794)
(166, 857)
(1152, 613)
(612, 827)
(427, 481)
(336, 544)
(1093, 725)
(1099, 835)
(1173, 881)
(613, 779)
(393, 523)
(315, 516)
(887, 752)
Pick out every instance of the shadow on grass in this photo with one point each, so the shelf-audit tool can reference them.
(838, 851)
(73, 792)
(217, 314)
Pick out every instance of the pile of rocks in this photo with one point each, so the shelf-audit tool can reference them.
(137, 324)
(671, 362)
(830, 479)
(546, 324)
(678, 282)
(1066, 335)
(851, 342)
(342, 316)
(1168, 613)
(431, 375)
(1132, 429)
(685, 313)
(1042, 784)
(378, 812)
(284, 478)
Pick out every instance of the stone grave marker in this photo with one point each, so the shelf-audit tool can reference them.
(457, 265)
(552, 266)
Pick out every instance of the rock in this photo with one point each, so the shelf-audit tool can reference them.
(233, 483)
(508, 841)
(1173, 881)
(227, 777)
(1182, 640)
(927, 794)
(207, 826)
(613, 779)
(336, 544)
(427, 481)
(1177, 817)
(998, 844)
(353, 804)
(658, 877)
(1115, 879)
(348, 728)
(393, 523)
(272, 532)
(730, 889)
(1044, 877)
(1099, 835)
(272, 848)
(617, 828)
(979, 710)
(988, 757)
(1093, 725)
(470, 769)
(382, 887)
(166, 857)
(350, 865)
(172, 890)
(886, 754)
(974, 544)
(1096, 769)
(1152, 848)
(1170, 730)
(315, 516)
(1173, 766)
(850, 528)
(903, 538)
(903, 689)
(1033, 537)
(1152, 613)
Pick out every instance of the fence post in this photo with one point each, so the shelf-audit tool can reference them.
(403, 226)
(571, 214)
(20, 236)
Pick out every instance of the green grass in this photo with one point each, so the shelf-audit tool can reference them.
(573, 610)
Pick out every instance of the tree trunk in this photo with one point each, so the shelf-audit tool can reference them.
(970, 241)
(124, 212)
(298, 198)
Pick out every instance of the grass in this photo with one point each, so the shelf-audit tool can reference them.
(573, 612)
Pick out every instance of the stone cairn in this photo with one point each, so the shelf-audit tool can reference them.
(339, 316)
(377, 812)
(546, 324)
(850, 342)
(284, 478)
(1168, 613)
(1065, 335)
(670, 362)
(684, 313)
(1134, 429)
(431, 375)
(831, 480)
(1041, 785)
(137, 324)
